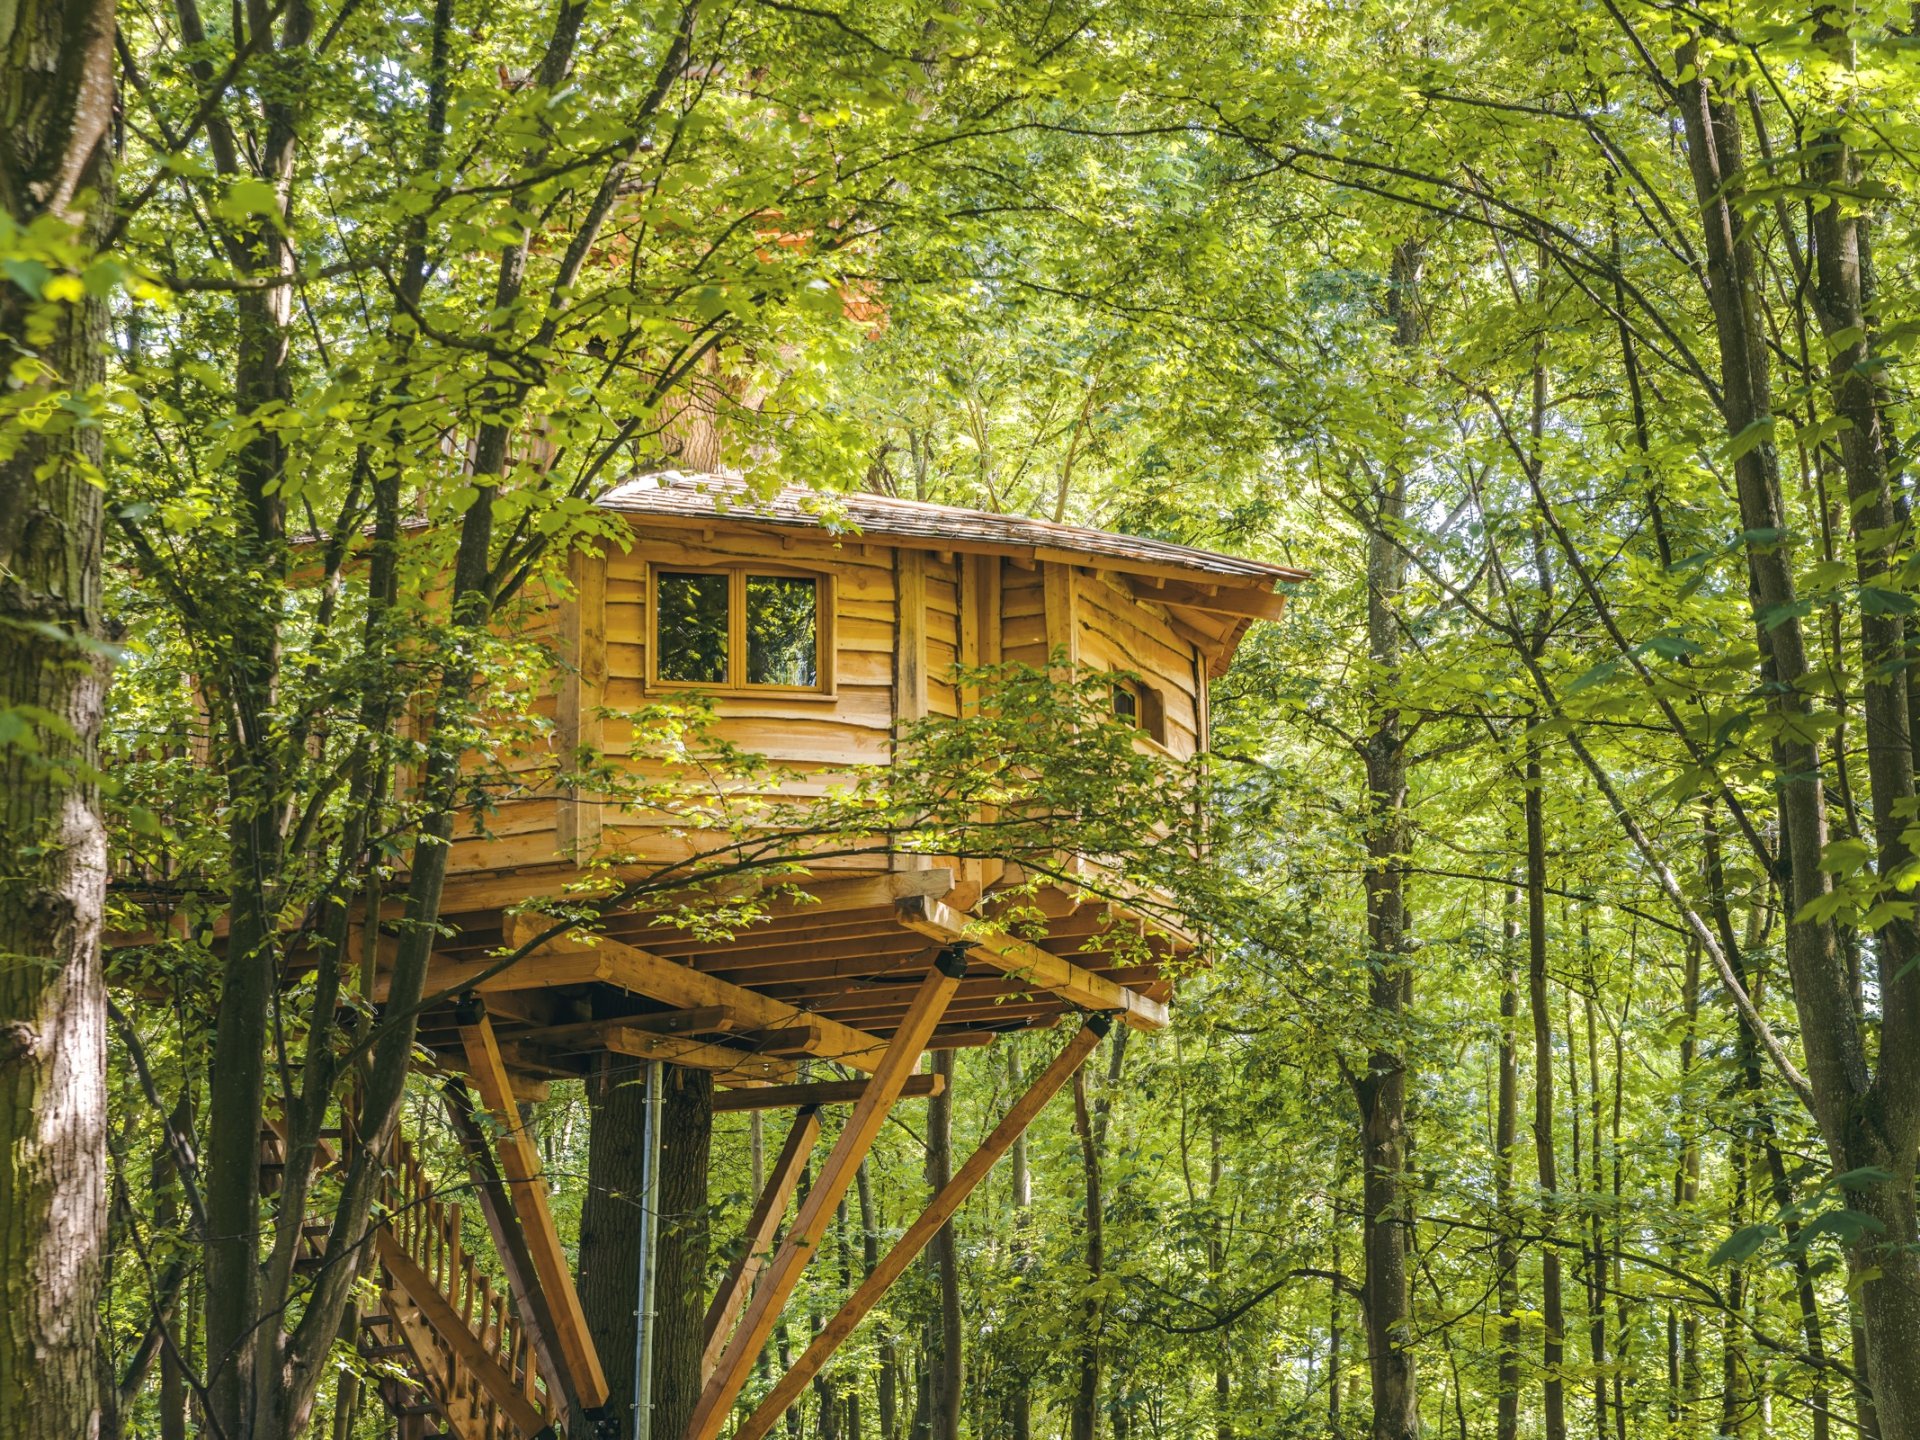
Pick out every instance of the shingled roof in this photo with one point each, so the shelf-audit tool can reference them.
(712, 496)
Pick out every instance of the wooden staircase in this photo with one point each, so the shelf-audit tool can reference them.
(447, 1348)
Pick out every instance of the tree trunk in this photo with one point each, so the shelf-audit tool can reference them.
(1386, 1202)
(56, 107)
(1867, 1121)
(686, 1142)
(1552, 1307)
(611, 1233)
(1086, 1392)
(1505, 1138)
(1019, 1394)
(610, 1224)
(945, 1360)
(885, 1391)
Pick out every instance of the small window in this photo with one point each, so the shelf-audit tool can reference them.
(1141, 707)
(738, 628)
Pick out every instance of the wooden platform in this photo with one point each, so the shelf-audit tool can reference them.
(830, 977)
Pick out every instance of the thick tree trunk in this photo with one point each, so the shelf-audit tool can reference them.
(686, 1142)
(1867, 1121)
(56, 107)
(611, 1231)
(611, 1235)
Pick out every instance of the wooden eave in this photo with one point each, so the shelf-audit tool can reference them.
(1209, 597)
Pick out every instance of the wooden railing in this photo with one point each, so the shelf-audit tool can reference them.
(463, 1336)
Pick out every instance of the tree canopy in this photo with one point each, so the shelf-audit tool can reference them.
(1554, 1064)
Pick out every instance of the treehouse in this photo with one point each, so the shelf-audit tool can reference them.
(817, 632)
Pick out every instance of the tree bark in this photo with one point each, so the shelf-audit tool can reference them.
(611, 1230)
(1084, 1408)
(611, 1235)
(1020, 1179)
(1552, 1306)
(686, 1142)
(945, 1362)
(56, 113)
(1386, 1203)
(1866, 1120)
(1505, 1138)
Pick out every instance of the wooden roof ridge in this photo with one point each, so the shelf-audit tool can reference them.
(689, 495)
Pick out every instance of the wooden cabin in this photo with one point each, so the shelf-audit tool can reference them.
(819, 627)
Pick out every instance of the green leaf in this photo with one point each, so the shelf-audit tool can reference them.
(1742, 1244)
(1759, 432)
(1864, 1178)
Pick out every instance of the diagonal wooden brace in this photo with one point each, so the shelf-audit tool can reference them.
(520, 1164)
(829, 1188)
(509, 1242)
(938, 1212)
(768, 1212)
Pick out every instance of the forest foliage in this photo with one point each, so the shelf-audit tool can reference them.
(1556, 1064)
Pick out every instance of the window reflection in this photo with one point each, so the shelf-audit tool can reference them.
(693, 627)
(782, 631)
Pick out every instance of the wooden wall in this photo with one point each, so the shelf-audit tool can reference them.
(959, 608)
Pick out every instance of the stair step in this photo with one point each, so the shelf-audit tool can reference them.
(423, 1407)
(367, 1322)
(379, 1352)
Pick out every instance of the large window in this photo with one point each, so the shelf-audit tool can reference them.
(739, 628)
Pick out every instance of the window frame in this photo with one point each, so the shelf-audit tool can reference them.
(1149, 720)
(736, 684)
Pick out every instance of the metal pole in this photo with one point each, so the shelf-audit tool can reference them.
(649, 1258)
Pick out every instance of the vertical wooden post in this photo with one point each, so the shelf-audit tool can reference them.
(836, 1176)
(520, 1163)
(768, 1212)
(910, 692)
(583, 623)
(940, 1210)
(1061, 587)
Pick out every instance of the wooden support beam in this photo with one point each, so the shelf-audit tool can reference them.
(520, 1164)
(644, 973)
(881, 1278)
(732, 1066)
(762, 1226)
(448, 1324)
(829, 1188)
(583, 685)
(1060, 585)
(822, 897)
(707, 1020)
(1243, 603)
(803, 1037)
(530, 972)
(881, 945)
(825, 1092)
(1039, 968)
(509, 1242)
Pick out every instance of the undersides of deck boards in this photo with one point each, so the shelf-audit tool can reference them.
(830, 979)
